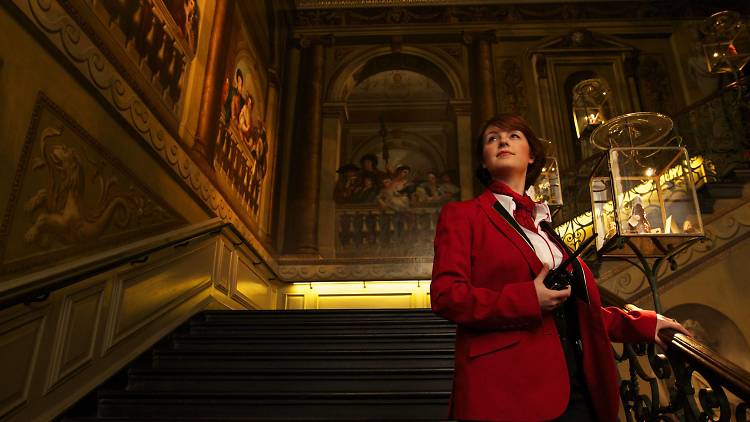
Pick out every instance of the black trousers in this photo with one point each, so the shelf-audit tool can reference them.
(579, 407)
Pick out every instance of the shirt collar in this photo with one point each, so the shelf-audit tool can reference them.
(541, 211)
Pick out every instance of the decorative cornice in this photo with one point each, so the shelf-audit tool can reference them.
(319, 13)
(65, 35)
(363, 4)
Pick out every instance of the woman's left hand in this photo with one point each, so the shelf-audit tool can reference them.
(663, 322)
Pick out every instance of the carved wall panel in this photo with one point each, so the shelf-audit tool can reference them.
(19, 346)
(77, 332)
(224, 264)
(142, 293)
(511, 87)
(251, 287)
(366, 301)
(70, 196)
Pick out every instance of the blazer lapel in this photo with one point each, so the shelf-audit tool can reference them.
(486, 202)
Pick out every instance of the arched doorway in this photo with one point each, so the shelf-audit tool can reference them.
(395, 154)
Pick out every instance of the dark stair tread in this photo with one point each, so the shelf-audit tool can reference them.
(296, 372)
(270, 396)
(284, 337)
(307, 354)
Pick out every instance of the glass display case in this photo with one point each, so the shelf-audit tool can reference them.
(644, 201)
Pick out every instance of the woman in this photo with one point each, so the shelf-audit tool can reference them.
(523, 351)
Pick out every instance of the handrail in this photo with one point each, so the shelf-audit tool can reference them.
(708, 362)
(716, 94)
(37, 286)
(685, 355)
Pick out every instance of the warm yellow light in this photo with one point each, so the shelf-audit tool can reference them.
(650, 172)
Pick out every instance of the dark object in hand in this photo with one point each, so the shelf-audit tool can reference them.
(560, 278)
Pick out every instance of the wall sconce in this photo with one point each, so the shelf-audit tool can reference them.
(590, 105)
(643, 197)
(722, 32)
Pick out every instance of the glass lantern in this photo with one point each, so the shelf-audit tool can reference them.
(590, 105)
(547, 187)
(723, 47)
(644, 201)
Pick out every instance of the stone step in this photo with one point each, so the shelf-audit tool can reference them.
(341, 359)
(289, 381)
(274, 406)
(290, 343)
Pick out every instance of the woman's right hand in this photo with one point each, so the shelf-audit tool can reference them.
(549, 299)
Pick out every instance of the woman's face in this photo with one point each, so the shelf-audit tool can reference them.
(505, 153)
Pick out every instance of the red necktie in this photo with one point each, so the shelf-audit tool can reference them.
(524, 212)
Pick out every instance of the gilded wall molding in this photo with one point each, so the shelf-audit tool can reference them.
(74, 44)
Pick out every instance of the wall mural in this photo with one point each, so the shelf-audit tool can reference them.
(242, 144)
(393, 182)
(70, 196)
(185, 15)
(390, 211)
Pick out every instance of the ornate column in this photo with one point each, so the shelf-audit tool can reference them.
(208, 116)
(286, 138)
(302, 201)
(465, 144)
(485, 99)
(271, 120)
(334, 116)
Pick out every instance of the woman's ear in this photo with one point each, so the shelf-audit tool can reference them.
(531, 159)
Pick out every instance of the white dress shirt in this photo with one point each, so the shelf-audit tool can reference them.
(546, 250)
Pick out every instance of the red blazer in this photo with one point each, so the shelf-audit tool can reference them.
(509, 360)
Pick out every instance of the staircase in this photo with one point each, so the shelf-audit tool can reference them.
(287, 365)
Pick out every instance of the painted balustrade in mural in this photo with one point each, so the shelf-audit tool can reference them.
(364, 230)
(243, 164)
(159, 36)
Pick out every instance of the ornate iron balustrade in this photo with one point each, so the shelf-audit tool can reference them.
(366, 230)
(690, 382)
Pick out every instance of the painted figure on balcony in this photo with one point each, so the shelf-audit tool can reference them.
(369, 164)
(448, 190)
(347, 183)
(391, 197)
(232, 99)
(429, 191)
